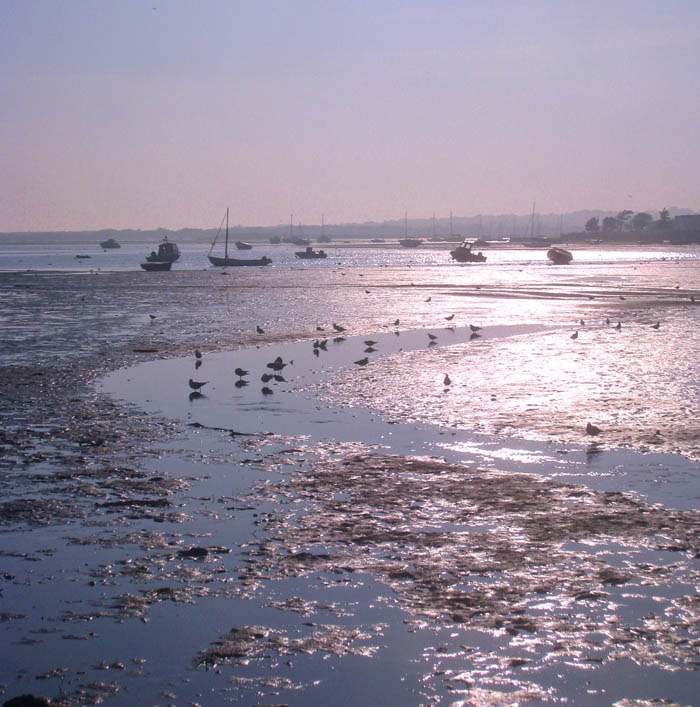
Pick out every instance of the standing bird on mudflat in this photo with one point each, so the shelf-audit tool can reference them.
(592, 429)
(196, 385)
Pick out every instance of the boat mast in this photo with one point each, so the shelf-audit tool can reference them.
(226, 244)
(405, 224)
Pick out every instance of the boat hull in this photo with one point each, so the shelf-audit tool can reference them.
(235, 262)
(309, 254)
(410, 242)
(156, 267)
(559, 256)
(242, 245)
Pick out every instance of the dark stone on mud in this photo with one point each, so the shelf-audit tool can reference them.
(147, 503)
(194, 552)
(27, 701)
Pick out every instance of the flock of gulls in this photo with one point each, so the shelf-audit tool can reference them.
(274, 374)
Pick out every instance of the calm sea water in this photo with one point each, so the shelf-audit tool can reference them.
(194, 256)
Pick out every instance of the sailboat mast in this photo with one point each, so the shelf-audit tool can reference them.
(226, 244)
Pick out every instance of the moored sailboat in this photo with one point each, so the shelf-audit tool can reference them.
(225, 261)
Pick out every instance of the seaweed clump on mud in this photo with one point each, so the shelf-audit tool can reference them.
(506, 554)
(67, 452)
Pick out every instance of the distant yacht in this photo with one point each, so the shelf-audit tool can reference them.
(109, 243)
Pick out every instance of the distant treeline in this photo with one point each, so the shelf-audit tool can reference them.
(480, 226)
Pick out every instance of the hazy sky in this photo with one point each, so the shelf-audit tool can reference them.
(121, 113)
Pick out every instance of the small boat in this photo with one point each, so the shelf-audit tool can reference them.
(310, 253)
(536, 243)
(156, 267)
(242, 245)
(225, 261)
(296, 240)
(167, 253)
(410, 242)
(109, 243)
(83, 256)
(463, 254)
(559, 256)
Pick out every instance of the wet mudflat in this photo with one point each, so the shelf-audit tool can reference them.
(143, 555)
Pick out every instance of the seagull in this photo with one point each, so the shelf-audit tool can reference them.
(474, 328)
(396, 321)
(574, 335)
(607, 320)
(320, 328)
(240, 372)
(582, 322)
(152, 316)
(265, 377)
(619, 326)
(277, 364)
(363, 361)
(198, 353)
(450, 318)
(369, 342)
(259, 329)
(196, 385)
(197, 363)
(279, 378)
(592, 429)
(337, 327)
(447, 380)
(429, 298)
(432, 337)
(656, 326)
(621, 297)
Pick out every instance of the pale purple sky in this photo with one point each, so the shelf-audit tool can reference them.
(128, 114)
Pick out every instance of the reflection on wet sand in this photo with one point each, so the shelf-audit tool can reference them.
(184, 553)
